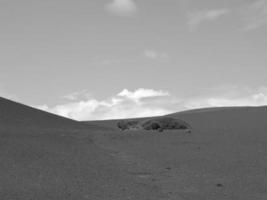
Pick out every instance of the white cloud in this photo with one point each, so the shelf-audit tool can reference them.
(122, 7)
(198, 17)
(148, 102)
(152, 54)
(126, 104)
(239, 97)
(255, 15)
(142, 93)
(77, 95)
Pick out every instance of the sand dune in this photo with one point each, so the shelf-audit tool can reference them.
(16, 114)
(44, 156)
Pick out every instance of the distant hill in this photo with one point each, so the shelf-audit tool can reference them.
(210, 117)
(238, 118)
(207, 109)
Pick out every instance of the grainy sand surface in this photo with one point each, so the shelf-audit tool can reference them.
(46, 157)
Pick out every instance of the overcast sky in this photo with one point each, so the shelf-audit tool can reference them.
(99, 59)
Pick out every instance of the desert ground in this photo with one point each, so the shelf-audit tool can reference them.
(47, 157)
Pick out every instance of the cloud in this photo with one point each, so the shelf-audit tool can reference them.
(142, 93)
(126, 104)
(153, 55)
(124, 8)
(255, 15)
(77, 95)
(198, 17)
(149, 102)
(237, 97)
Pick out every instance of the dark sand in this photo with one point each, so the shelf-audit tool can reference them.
(46, 157)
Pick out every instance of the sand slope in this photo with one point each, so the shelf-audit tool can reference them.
(43, 156)
(225, 157)
(16, 114)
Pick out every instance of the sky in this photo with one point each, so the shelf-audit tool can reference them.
(105, 59)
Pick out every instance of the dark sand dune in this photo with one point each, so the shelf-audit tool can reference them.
(47, 157)
(225, 157)
(16, 114)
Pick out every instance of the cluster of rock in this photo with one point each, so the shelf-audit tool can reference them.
(159, 123)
